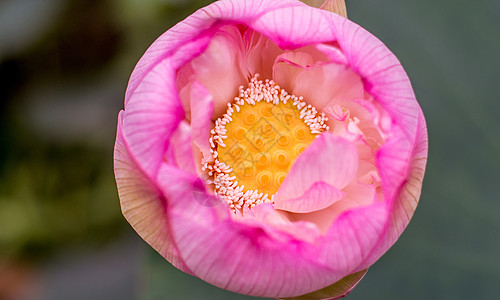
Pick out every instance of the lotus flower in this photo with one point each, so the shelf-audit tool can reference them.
(270, 148)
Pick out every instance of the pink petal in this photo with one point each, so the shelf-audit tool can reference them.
(142, 203)
(319, 196)
(352, 238)
(329, 159)
(255, 260)
(295, 25)
(383, 76)
(402, 167)
(150, 117)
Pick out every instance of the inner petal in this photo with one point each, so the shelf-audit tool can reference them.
(255, 143)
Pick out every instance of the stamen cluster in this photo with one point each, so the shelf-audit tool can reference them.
(219, 172)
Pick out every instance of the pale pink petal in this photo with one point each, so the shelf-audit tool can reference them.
(142, 203)
(175, 47)
(328, 159)
(333, 84)
(202, 108)
(180, 151)
(219, 69)
(357, 195)
(319, 196)
(288, 66)
(261, 54)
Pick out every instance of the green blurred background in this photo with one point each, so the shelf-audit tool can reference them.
(64, 66)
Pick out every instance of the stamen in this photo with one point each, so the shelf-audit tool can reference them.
(255, 142)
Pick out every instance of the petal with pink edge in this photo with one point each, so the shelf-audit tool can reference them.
(150, 117)
(142, 203)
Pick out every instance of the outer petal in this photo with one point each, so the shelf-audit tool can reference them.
(142, 203)
(402, 183)
(236, 256)
(150, 118)
(328, 159)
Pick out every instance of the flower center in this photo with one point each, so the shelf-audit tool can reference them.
(256, 141)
